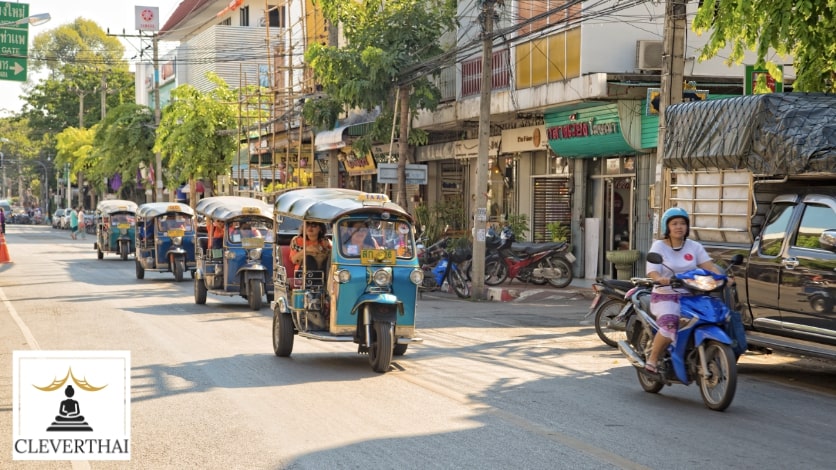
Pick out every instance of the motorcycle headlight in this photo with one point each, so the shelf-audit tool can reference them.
(382, 277)
(703, 283)
(342, 276)
(416, 276)
(177, 240)
(254, 254)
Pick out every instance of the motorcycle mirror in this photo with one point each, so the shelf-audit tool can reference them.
(737, 259)
(654, 258)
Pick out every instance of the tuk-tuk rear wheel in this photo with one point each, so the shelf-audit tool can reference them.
(99, 253)
(140, 271)
(282, 333)
(199, 292)
(381, 350)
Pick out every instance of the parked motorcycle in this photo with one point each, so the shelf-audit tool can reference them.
(538, 263)
(611, 309)
(702, 350)
(442, 264)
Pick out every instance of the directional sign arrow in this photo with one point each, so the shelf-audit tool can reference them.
(18, 68)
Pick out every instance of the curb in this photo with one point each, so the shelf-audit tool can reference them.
(506, 294)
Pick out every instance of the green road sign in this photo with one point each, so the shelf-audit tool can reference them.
(14, 41)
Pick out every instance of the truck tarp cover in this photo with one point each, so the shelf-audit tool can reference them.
(782, 134)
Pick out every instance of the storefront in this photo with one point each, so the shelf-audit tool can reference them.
(596, 138)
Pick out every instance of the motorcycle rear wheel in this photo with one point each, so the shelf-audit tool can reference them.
(718, 389)
(496, 272)
(603, 316)
(642, 341)
(565, 269)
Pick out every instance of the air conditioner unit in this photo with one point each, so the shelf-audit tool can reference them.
(649, 55)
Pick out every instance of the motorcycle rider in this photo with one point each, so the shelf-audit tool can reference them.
(680, 255)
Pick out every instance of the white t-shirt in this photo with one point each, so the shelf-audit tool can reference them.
(689, 257)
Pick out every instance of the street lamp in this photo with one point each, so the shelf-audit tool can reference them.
(33, 20)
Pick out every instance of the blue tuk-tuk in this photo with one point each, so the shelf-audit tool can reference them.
(365, 289)
(165, 237)
(115, 227)
(235, 256)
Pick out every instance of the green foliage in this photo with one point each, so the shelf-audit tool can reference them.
(188, 132)
(434, 220)
(80, 59)
(519, 225)
(557, 231)
(123, 141)
(806, 30)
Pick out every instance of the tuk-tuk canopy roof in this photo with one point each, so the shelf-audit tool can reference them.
(228, 207)
(328, 204)
(155, 209)
(110, 206)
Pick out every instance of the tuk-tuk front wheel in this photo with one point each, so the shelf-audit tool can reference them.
(179, 267)
(282, 333)
(255, 293)
(199, 291)
(381, 350)
(99, 253)
(123, 251)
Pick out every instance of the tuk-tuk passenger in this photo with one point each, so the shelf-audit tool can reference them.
(315, 245)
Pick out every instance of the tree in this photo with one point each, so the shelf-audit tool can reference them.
(804, 29)
(124, 141)
(188, 135)
(81, 60)
(74, 147)
(385, 41)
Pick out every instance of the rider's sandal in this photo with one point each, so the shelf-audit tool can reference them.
(650, 368)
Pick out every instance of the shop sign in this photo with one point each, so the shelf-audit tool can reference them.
(524, 139)
(387, 173)
(358, 164)
(582, 129)
(470, 148)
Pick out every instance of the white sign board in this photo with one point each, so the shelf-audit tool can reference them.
(387, 173)
(147, 18)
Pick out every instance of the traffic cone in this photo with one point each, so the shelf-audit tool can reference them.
(4, 249)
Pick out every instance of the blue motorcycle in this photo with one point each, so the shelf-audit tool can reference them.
(702, 351)
(440, 264)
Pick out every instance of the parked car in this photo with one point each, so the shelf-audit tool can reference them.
(58, 218)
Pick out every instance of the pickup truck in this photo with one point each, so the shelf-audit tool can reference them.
(757, 174)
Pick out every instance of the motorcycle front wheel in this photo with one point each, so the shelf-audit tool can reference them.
(565, 271)
(609, 332)
(720, 383)
(458, 283)
(496, 272)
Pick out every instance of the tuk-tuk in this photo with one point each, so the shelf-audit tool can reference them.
(366, 292)
(165, 237)
(115, 228)
(235, 256)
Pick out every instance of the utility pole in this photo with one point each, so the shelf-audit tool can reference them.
(158, 159)
(672, 80)
(480, 216)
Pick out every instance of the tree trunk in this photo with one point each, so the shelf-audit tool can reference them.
(403, 147)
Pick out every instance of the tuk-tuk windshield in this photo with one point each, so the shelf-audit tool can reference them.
(251, 228)
(174, 222)
(359, 234)
(119, 219)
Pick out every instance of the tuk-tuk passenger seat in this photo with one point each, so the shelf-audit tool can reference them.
(203, 243)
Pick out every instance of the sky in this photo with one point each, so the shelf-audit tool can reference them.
(117, 15)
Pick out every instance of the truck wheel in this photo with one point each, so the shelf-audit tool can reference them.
(380, 353)
(718, 388)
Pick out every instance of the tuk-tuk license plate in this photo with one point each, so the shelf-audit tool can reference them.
(176, 232)
(379, 256)
(123, 226)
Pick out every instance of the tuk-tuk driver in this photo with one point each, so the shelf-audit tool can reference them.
(217, 234)
(312, 244)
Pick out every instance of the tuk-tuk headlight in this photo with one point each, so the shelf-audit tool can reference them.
(342, 276)
(254, 253)
(177, 240)
(417, 276)
(382, 277)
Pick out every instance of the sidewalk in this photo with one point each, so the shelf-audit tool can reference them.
(516, 290)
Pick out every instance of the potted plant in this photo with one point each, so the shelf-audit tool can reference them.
(557, 231)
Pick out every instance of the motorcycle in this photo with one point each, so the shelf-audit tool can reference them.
(440, 264)
(702, 351)
(611, 309)
(538, 263)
